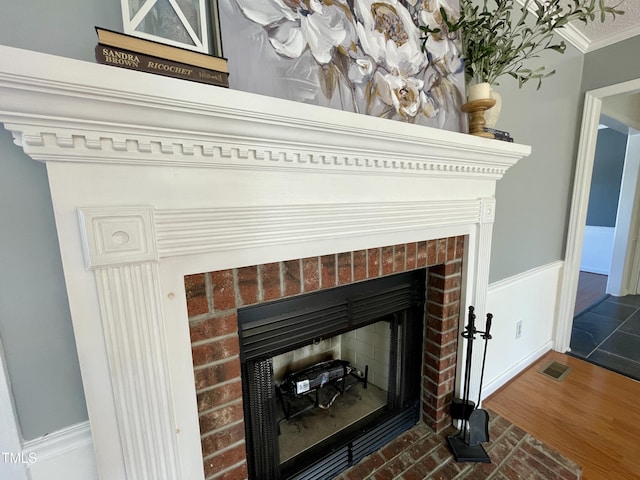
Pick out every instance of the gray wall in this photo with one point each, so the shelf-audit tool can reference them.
(533, 197)
(607, 177)
(35, 324)
(612, 65)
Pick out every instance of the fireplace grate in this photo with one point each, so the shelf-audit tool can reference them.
(262, 420)
(279, 333)
(369, 441)
(269, 329)
(385, 432)
(329, 467)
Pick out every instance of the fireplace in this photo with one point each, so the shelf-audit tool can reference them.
(252, 326)
(154, 180)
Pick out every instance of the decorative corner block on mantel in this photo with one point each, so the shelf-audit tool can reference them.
(118, 235)
(488, 210)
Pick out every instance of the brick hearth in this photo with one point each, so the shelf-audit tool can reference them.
(213, 299)
(422, 454)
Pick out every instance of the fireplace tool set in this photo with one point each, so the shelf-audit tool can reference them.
(466, 445)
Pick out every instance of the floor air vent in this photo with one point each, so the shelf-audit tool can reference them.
(555, 370)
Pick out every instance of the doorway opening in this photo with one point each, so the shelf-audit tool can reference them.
(579, 207)
(606, 214)
(603, 327)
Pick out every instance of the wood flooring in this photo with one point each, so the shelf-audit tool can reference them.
(591, 288)
(591, 416)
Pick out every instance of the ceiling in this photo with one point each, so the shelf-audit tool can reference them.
(595, 35)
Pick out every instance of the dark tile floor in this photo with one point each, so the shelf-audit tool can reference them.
(608, 334)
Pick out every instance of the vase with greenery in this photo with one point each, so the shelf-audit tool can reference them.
(502, 37)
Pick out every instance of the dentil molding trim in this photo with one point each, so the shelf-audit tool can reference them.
(201, 126)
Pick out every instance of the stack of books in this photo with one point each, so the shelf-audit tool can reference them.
(499, 134)
(126, 51)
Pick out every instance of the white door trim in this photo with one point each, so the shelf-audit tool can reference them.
(632, 263)
(579, 206)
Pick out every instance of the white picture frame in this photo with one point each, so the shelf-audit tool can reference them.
(181, 23)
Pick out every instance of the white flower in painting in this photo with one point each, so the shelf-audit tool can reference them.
(430, 12)
(405, 94)
(443, 93)
(389, 36)
(295, 25)
(429, 106)
(361, 68)
(442, 48)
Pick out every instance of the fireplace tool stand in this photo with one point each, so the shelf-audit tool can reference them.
(465, 445)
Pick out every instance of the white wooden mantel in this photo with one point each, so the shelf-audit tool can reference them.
(154, 178)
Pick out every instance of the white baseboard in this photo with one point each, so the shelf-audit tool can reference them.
(63, 455)
(498, 382)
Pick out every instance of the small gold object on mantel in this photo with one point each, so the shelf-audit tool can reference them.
(476, 109)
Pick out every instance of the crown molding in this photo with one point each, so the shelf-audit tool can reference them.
(583, 43)
(576, 38)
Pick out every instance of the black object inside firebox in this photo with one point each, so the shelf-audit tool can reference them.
(319, 384)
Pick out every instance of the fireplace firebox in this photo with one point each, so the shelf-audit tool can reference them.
(368, 338)
(298, 324)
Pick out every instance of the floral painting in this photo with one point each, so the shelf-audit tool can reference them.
(364, 56)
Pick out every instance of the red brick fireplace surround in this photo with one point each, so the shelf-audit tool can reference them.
(213, 299)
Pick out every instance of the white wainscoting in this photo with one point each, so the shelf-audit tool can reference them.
(530, 297)
(597, 249)
(63, 455)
